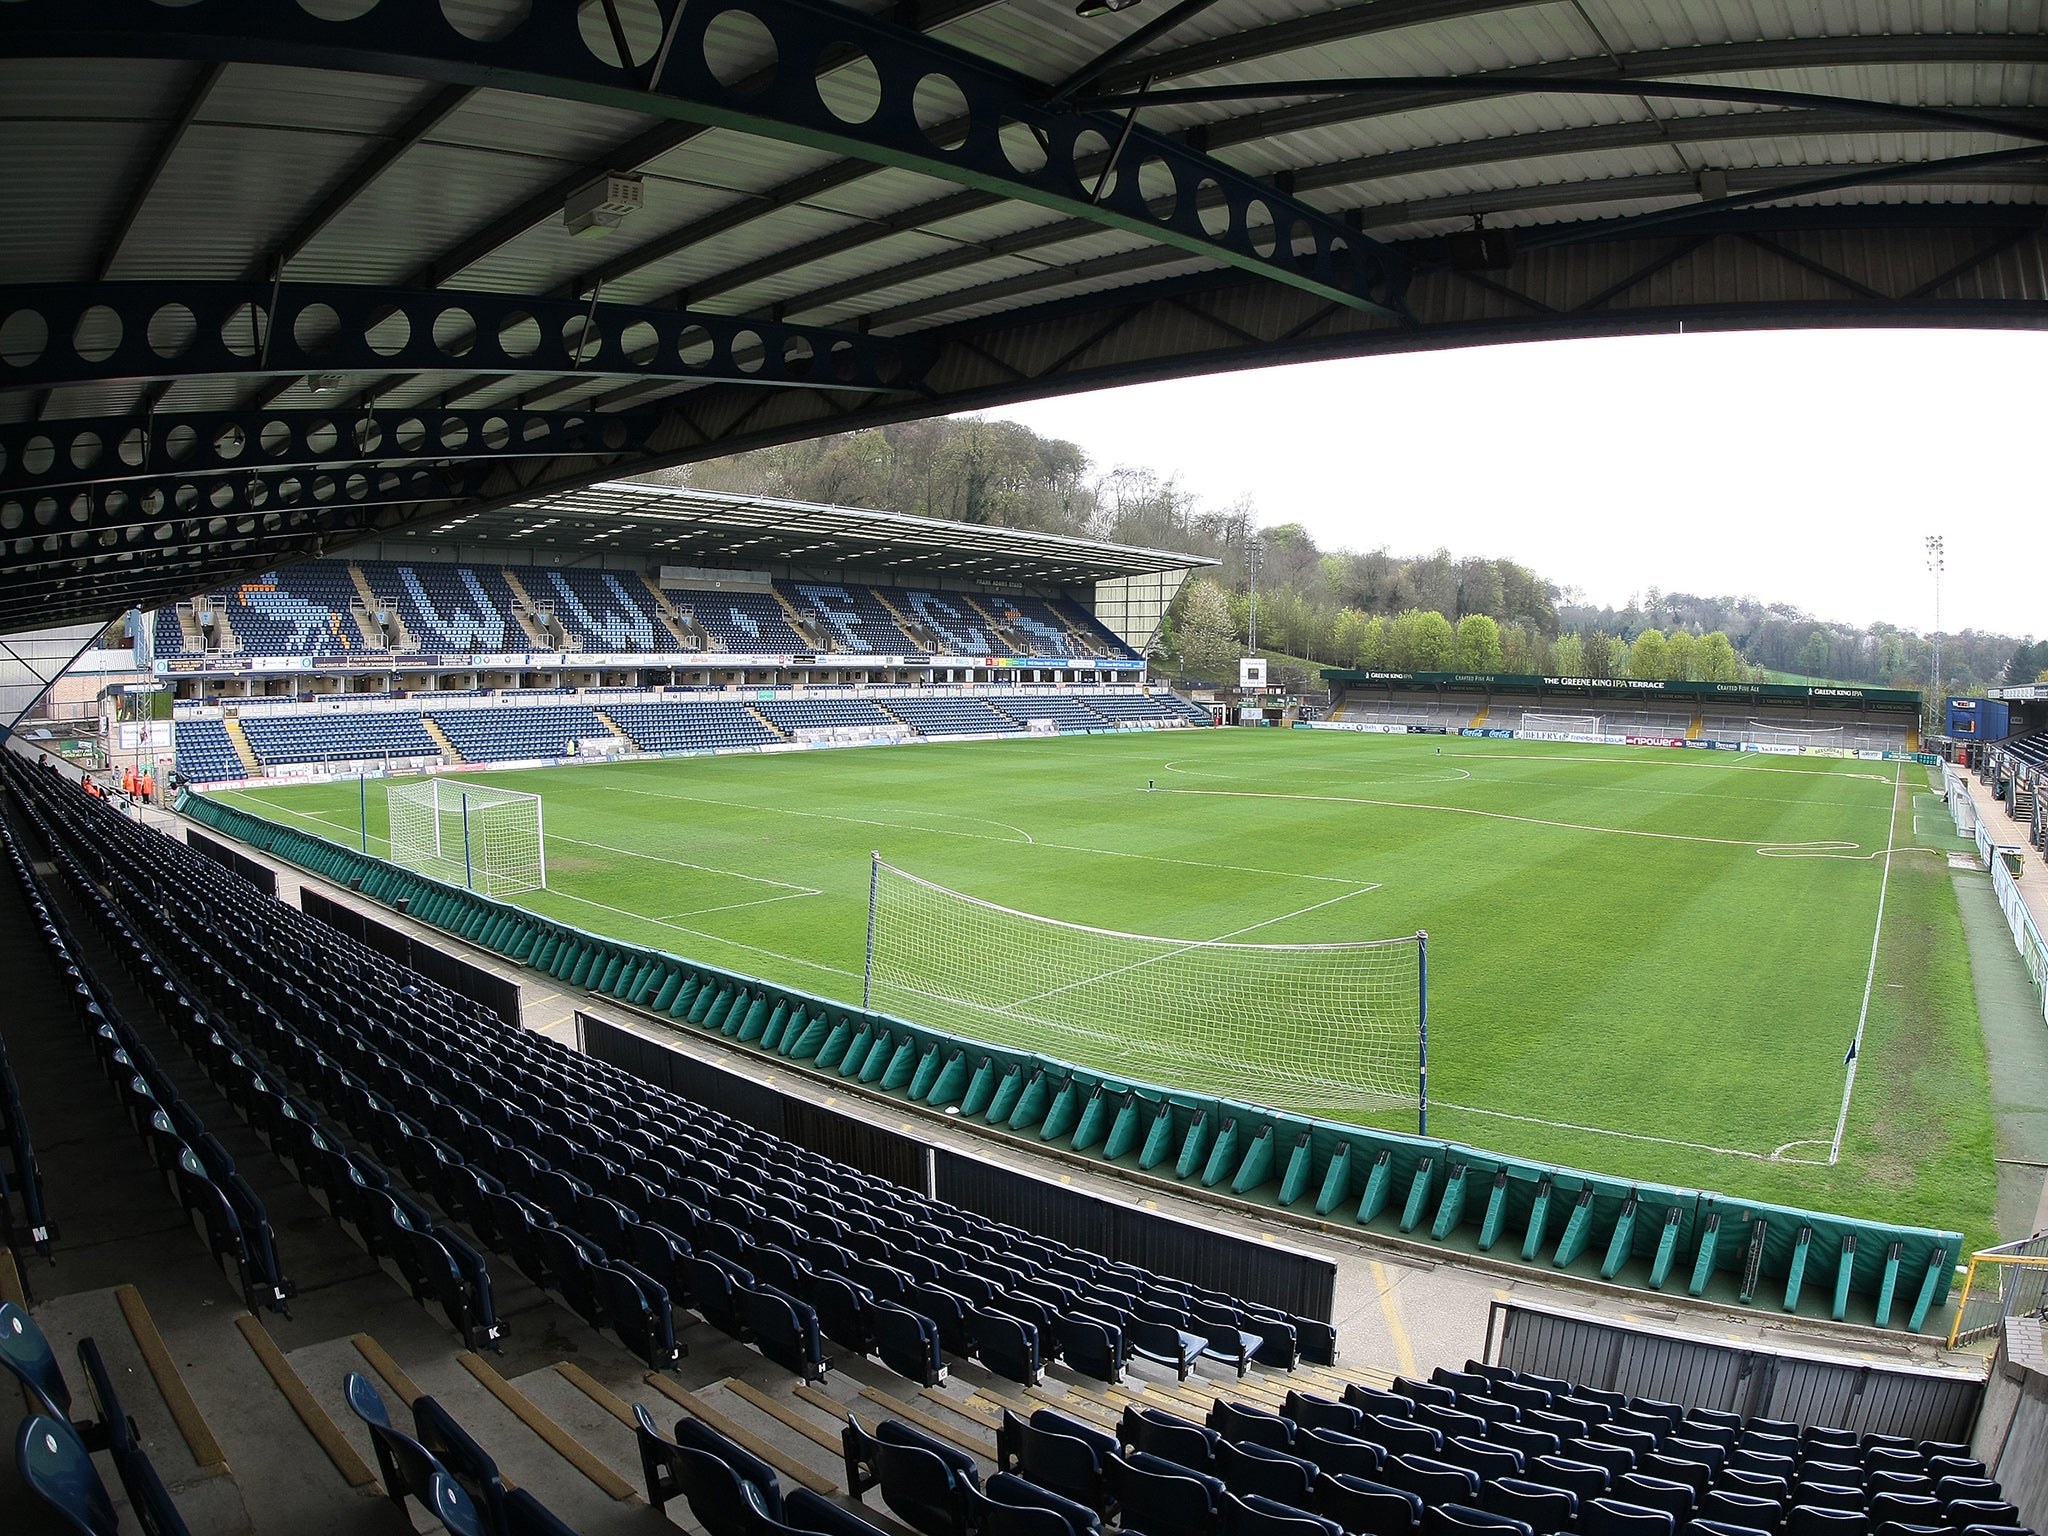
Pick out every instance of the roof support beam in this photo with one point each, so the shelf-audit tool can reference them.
(1268, 233)
(186, 330)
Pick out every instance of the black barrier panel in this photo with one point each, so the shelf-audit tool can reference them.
(451, 971)
(1300, 1283)
(262, 876)
(886, 1154)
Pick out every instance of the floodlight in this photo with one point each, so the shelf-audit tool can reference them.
(600, 206)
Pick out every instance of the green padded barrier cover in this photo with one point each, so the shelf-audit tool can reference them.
(855, 1055)
(1576, 1230)
(671, 984)
(1257, 1166)
(497, 928)
(834, 1050)
(1301, 1163)
(1123, 1131)
(1008, 1091)
(1889, 1285)
(981, 1087)
(686, 996)
(1033, 1102)
(1496, 1212)
(1452, 1207)
(1159, 1139)
(488, 930)
(1377, 1183)
(475, 919)
(1845, 1271)
(1937, 1263)
(1703, 1264)
(710, 995)
(793, 1029)
(771, 1027)
(1066, 1109)
(1193, 1145)
(874, 1061)
(629, 976)
(1667, 1248)
(586, 962)
(1418, 1195)
(1096, 1117)
(1797, 1277)
(1223, 1155)
(1336, 1181)
(736, 1015)
(924, 1074)
(951, 1082)
(1619, 1239)
(572, 950)
(653, 973)
(902, 1063)
(727, 998)
(1539, 1214)
(812, 1039)
(755, 1024)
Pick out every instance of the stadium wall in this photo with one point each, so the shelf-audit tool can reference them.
(1404, 1189)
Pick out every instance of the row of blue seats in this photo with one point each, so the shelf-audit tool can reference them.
(437, 1263)
(666, 727)
(205, 754)
(332, 736)
(53, 1451)
(618, 1157)
(24, 1218)
(196, 1166)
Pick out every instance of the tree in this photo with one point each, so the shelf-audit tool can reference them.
(1432, 644)
(1570, 657)
(1599, 652)
(1679, 656)
(1817, 656)
(1716, 661)
(1478, 647)
(1205, 633)
(1372, 644)
(1650, 656)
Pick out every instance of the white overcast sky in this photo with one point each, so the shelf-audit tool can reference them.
(1805, 467)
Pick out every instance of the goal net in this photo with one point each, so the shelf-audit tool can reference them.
(1763, 731)
(469, 834)
(1540, 721)
(1321, 1028)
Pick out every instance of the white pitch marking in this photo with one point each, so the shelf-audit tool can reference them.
(1869, 979)
(1600, 1130)
(714, 938)
(1744, 762)
(709, 869)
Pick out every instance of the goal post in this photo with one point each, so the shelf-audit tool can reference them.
(1331, 1030)
(1544, 722)
(474, 835)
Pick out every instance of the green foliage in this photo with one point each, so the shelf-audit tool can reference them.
(1570, 656)
(1650, 656)
(1716, 661)
(1430, 642)
(1478, 646)
(1680, 656)
(1205, 632)
(1668, 985)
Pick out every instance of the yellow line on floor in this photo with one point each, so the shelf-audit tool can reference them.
(782, 1413)
(788, 1466)
(394, 1375)
(1404, 1352)
(596, 1391)
(564, 1444)
(354, 1470)
(170, 1383)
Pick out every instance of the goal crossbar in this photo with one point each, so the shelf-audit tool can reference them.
(1326, 1028)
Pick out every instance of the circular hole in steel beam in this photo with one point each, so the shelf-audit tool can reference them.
(940, 107)
(1212, 207)
(740, 52)
(851, 91)
(97, 336)
(23, 335)
(639, 21)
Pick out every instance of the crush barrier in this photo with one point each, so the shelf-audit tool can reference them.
(1418, 1189)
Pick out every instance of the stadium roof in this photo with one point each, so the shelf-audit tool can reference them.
(684, 525)
(287, 274)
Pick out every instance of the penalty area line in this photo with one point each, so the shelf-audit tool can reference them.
(1870, 976)
(1601, 1130)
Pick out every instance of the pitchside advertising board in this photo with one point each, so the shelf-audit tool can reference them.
(1588, 738)
(1518, 682)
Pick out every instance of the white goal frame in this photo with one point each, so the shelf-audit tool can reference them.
(1545, 720)
(1330, 1029)
(474, 835)
(1764, 733)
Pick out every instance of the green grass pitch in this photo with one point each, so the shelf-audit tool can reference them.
(1623, 976)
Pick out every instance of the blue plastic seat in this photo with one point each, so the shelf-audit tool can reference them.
(1166, 1343)
(1816, 1520)
(1401, 1436)
(1092, 1349)
(1488, 1460)
(406, 1466)
(923, 1480)
(1677, 1499)
(1581, 1478)
(1367, 1508)
(906, 1342)
(1159, 1498)
(1168, 1436)
(1614, 1517)
(1373, 1400)
(1250, 1426)
(1248, 1468)
(1309, 1411)
(1257, 1516)
(1464, 1520)
(1728, 1507)
(1543, 1509)
(27, 1354)
(1336, 1452)
(57, 1468)
(1434, 1482)
(468, 1463)
(1007, 1345)
(1011, 1506)
(786, 1331)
